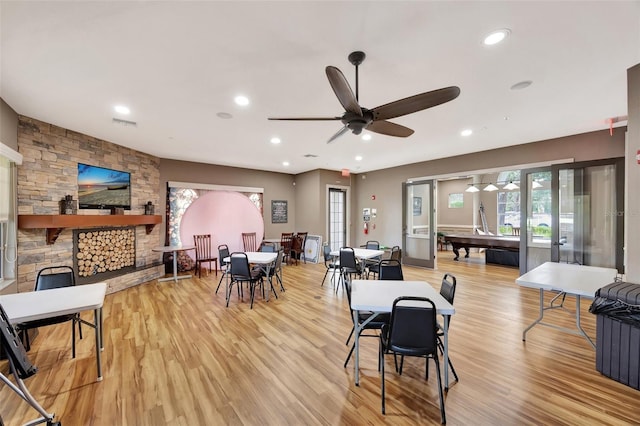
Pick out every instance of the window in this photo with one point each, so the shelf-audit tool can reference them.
(8, 244)
(456, 201)
(508, 203)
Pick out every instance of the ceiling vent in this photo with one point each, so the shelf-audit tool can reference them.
(124, 123)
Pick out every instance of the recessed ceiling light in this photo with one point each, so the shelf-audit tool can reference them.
(366, 137)
(275, 140)
(241, 100)
(285, 163)
(358, 157)
(121, 109)
(521, 85)
(224, 115)
(466, 132)
(496, 37)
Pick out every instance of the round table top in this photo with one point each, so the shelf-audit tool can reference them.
(166, 249)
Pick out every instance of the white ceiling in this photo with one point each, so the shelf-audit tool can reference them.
(177, 64)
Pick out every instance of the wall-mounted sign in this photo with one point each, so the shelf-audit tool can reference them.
(279, 211)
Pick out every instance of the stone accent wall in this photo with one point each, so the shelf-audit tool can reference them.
(50, 171)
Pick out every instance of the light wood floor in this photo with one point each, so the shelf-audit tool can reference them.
(175, 355)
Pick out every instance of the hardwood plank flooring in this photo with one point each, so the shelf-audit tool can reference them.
(174, 354)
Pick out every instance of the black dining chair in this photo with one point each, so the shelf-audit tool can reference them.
(448, 291)
(49, 278)
(349, 266)
(276, 271)
(374, 323)
(330, 263)
(390, 269)
(223, 253)
(242, 273)
(412, 331)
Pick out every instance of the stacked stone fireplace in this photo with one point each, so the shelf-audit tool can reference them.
(103, 253)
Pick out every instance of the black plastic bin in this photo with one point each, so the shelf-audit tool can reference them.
(617, 307)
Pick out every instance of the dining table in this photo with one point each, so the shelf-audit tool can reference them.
(579, 281)
(263, 259)
(174, 249)
(43, 304)
(362, 254)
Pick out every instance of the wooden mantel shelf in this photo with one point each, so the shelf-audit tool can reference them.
(56, 223)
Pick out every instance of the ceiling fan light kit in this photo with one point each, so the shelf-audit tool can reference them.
(357, 118)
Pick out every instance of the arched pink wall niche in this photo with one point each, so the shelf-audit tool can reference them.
(223, 214)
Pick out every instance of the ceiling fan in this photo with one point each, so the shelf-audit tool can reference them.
(357, 118)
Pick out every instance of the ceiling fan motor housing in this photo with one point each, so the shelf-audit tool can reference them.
(356, 123)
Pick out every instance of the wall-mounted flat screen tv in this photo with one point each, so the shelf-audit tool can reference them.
(102, 188)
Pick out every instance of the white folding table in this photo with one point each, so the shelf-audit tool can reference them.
(36, 305)
(264, 259)
(576, 280)
(377, 296)
(361, 254)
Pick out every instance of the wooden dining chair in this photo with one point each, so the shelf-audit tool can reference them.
(286, 239)
(204, 253)
(249, 241)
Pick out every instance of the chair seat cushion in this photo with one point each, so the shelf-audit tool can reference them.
(44, 322)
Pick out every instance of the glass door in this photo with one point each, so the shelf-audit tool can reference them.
(571, 215)
(588, 225)
(418, 242)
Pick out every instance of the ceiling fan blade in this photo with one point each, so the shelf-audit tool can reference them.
(339, 133)
(415, 103)
(306, 118)
(343, 91)
(388, 128)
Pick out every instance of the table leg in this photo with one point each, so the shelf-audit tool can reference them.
(97, 317)
(524, 333)
(356, 342)
(175, 266)
(456, 251)
(584, 333)
(267, 269)
(175, 276)
(446, 352)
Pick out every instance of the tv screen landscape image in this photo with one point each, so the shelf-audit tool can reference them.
(102, 188)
